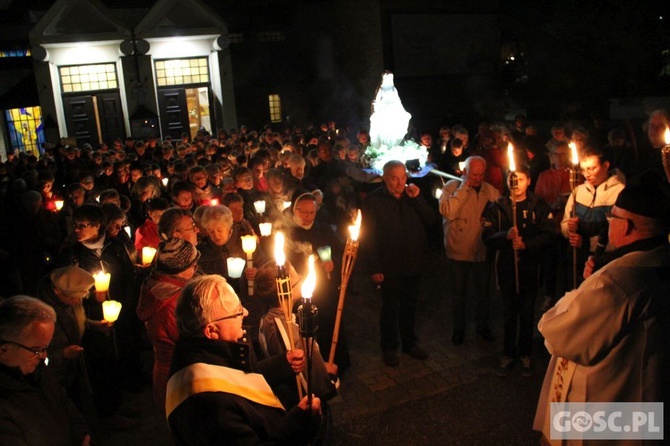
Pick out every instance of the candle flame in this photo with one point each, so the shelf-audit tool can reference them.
(309, 284)
(59, 204)
(510, 155)
(355, 229)
(667, 136)
(575, 155)
(280, 257)
(214, 202)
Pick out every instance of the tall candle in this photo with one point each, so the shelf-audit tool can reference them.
(235, 267)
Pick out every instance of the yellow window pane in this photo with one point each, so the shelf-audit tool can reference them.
(111, 76)
(161, 82)
(85, 86)
(74, 70)
(188, 79)
(65, 71)
(104, 85)
(113, 84)
(76, 79)
(95, 86)
(67, 88)
(76, 87)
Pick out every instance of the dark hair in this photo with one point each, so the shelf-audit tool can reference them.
(92, 214)
(168, 222)
(157, 204)
(590, 151)
(233, 197)
(112, 211)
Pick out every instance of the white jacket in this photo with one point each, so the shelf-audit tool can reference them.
(462, 210)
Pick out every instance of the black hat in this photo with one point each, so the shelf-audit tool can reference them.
(648, 195)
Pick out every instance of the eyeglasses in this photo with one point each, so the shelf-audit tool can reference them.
(232, 316)
(36, 351)
(192, 228)
(610, 216)
(81, 226)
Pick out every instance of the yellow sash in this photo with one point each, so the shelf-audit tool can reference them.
(201, 377)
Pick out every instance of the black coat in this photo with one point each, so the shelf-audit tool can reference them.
(393, 233)
(227, 419)
(34, 410)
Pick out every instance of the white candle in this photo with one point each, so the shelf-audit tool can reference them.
(235, 267)
(111, 310)
(214, 202)
(461, 166)
(309, 284)
(265, 228)
(165, 182)
(101, 281)
(248, 244)
(127, 229)
(287, 204)
(325, 253)
(667, 136)
(259, 206)
(148, 254)
(438, 193)
(59, 204)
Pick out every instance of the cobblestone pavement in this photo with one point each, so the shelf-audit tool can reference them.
(453, 397)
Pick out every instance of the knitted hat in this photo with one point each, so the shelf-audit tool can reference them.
(648, 195)
(72, 281)
(175, 255)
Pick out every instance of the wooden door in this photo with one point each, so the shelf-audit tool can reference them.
(173, 113)
(110, 114)
(80, 119)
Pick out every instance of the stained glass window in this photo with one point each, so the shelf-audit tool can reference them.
(182, 71)
(26, 129)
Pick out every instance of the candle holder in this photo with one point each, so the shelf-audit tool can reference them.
(348, 262)
(285, 292)
(265, 229)
(259, 206)
(148, 254)
(308, 322)
(110, 312)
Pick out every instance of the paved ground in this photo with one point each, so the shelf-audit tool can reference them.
(452, 398)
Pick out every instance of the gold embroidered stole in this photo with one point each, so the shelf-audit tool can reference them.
(201, 377)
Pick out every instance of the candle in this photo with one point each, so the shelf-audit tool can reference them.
(101, 281)
(309, 284)
(354, 230)
(127, 229)
(510, 155)
(248, 244)
(667, 136)
(573, 151)
(259, 206)
(59, 204)
(235, 267)
(325, 253)
(214, 202)
(438, 193)
(148, 254)
(280, 258)
(461, 166)
(287, 204)
(165, 182)
(265, 228)
(111, 310)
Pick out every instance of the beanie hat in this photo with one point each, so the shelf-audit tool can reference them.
(72, 280)
(647, 195)
(175, 255)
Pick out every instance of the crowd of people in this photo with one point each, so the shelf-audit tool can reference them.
(223, 366)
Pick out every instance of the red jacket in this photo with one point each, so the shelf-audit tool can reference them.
(155, 308)
(147, 235)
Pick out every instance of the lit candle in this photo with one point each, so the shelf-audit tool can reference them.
(573, 151)
(127, 229)
(214, 202)
(111, 310)
(325, 253)
(461, 166)
(355, 229)
(148, 254)
(165, 182)
(248, 245)
(59, 204)
(287, 204)
(235, 267)
(259, 206)
(101, 281)
(307, 289)
(265, 228)
(280, 257)
(438, 193)
(667, 136)
(510, 155)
